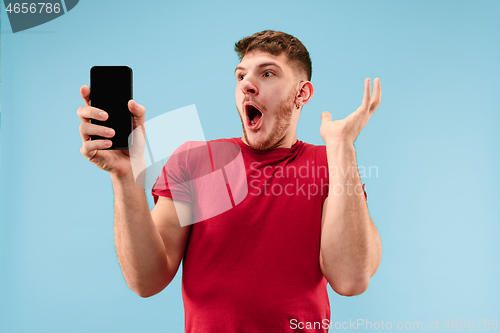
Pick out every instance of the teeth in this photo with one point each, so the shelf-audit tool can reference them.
(252, 122)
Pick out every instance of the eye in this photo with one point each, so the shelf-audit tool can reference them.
(268, 73)
(240, 77)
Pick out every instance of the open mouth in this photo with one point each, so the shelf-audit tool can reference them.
(254, 116)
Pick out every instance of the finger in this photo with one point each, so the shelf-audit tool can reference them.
(88, 129)
(85, 113)
(326, 116)
(90, 148)
(136, 109)
(139, 113)
(366, 98)
(377, 95)
(85, 93)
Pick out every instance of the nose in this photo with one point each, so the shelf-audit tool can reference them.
(248, 87)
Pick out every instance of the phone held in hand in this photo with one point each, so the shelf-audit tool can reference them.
(110, 90)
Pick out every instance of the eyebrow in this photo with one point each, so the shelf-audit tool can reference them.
(261, 65)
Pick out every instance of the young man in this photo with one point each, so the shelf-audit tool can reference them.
(263, 264)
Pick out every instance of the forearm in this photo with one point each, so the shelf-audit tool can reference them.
(139, 246)
(350, 244)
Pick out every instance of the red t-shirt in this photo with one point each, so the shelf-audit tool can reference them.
(252, 258)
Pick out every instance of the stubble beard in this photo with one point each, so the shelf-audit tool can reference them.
(281, 125)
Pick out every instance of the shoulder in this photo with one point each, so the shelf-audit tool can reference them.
(206, 153)
(233, 140)
(315, 149)
(314, 152)
(195, 144)
(196, 147)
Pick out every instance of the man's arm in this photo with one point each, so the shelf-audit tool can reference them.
(149, 245)
(350, 249)
(350, 244)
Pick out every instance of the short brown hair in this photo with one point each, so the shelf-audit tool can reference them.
(277, 42)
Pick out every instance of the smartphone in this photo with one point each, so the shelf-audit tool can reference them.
(110, 90)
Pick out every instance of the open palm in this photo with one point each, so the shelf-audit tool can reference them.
(349, 128)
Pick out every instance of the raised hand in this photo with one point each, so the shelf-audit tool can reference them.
(348, 129)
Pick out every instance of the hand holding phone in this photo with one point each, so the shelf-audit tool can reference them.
(117, 161)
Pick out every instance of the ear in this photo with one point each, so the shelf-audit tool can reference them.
(304, 93)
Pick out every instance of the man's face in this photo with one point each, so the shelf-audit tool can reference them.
(265, 95)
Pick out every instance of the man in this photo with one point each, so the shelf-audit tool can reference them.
(263, 265)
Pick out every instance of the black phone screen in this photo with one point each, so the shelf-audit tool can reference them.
(110, 90)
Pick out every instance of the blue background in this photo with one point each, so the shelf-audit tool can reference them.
(434, 141)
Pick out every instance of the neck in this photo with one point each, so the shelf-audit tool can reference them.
(286, 142)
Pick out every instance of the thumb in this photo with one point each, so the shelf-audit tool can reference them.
(326, 116)
(137, 110)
